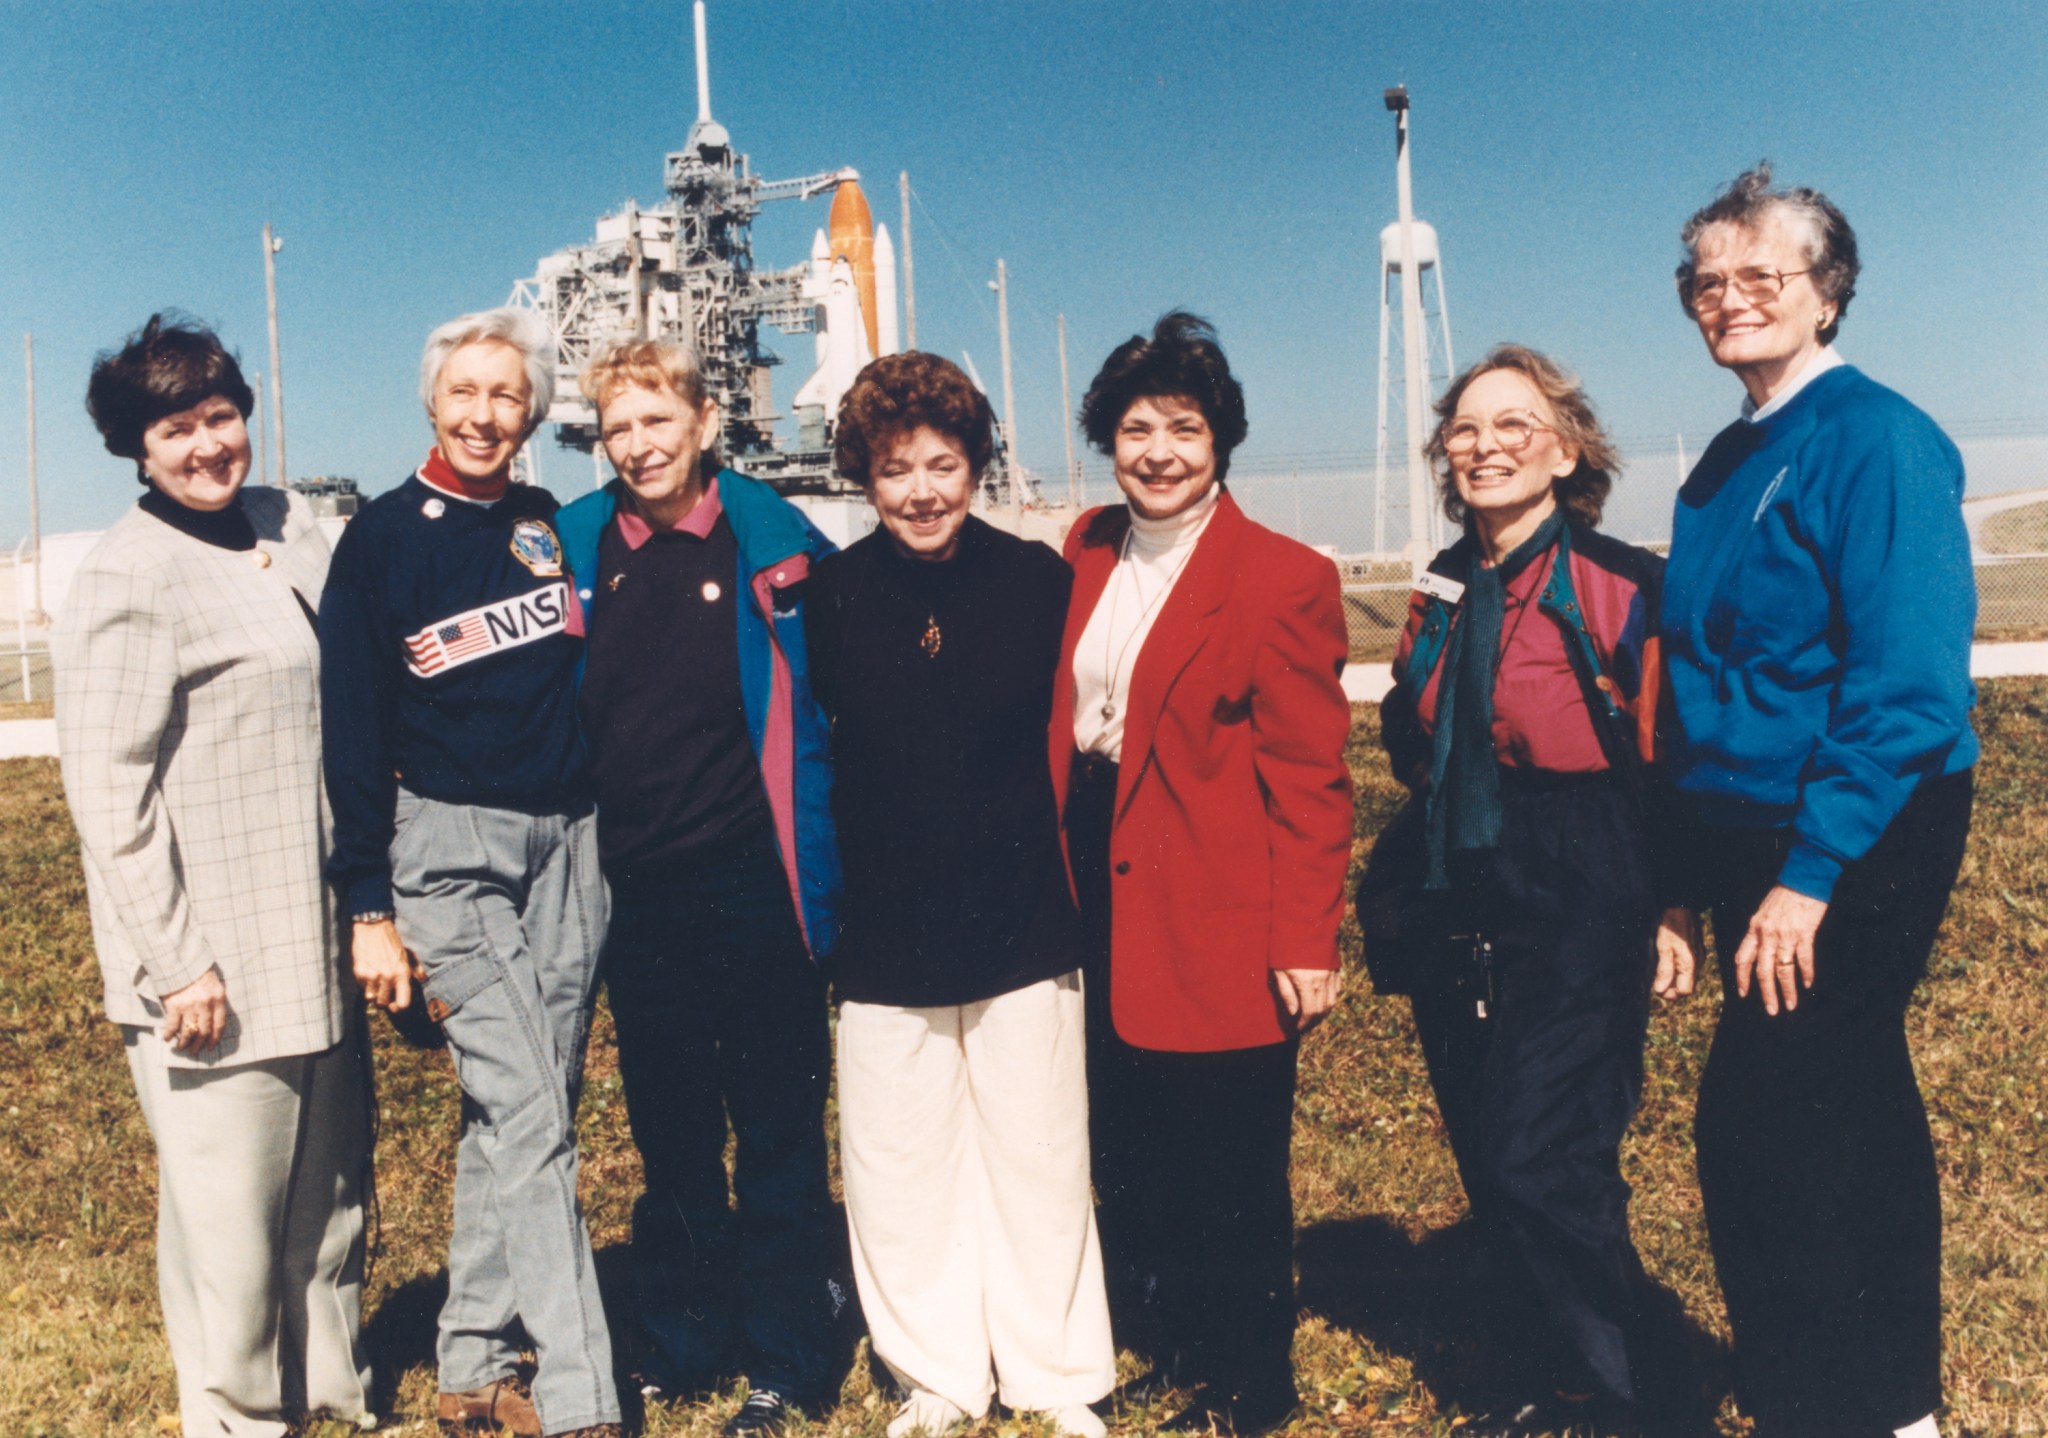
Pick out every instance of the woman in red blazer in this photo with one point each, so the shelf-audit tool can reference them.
(1198, 743)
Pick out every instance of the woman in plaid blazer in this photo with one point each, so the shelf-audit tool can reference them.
(188, 720)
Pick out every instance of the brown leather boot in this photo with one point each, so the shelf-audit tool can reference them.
(491, 1409)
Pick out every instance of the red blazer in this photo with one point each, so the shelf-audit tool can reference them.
(1233, 825)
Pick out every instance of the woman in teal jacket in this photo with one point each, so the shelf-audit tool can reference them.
(710, 763)
(1818, 609)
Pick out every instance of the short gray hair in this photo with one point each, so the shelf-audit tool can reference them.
(524, 330)
(1748, 204)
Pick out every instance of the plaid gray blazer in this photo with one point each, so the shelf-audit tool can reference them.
(188, 723)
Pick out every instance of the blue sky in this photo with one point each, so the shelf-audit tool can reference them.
(418, 158)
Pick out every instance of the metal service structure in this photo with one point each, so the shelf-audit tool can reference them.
(684, 270)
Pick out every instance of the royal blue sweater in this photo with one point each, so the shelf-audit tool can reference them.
(448, 663)
(1818, 609)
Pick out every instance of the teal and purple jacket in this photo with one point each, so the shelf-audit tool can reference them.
(776, 546)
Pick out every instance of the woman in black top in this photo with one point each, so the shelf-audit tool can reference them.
(962, 1095)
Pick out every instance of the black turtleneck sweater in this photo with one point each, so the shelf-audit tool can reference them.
(227, 528)
(937, 679)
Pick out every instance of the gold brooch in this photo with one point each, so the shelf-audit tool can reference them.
(932, 638)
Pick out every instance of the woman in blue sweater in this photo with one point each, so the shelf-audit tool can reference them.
(1818, 609)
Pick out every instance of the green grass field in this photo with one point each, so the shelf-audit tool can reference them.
(1386, 1343)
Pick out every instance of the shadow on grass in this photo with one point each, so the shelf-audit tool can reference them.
(1434, 1302)
(400, 1334)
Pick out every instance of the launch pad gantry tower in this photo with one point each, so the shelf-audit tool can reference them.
(684, 270)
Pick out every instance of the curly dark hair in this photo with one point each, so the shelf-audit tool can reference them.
(900, 393)
(1181, 360)
(169, 365)
(1582, 494)
(1748, 203)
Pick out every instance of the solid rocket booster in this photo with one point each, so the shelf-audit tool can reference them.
(851, 232)
(821, 265)
(885, 293)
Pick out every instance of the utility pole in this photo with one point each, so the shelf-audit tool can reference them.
(909, 278)
(35, 518)
(262, 454)
(1067, 422)
(271, 245)
(1001, 285)
(1415, 377)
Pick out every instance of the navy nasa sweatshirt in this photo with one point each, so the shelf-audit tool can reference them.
(448, 664)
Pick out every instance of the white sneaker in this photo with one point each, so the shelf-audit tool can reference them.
(926, 1412)
(1076, 1420)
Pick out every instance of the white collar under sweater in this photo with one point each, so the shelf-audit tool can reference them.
(1154, 556)
(1814, 368)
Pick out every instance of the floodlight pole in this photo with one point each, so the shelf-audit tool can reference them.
(1415, 378)
(271, 245)
(35, 519)
(1001, 285)
(909, 277)
(1067, 422)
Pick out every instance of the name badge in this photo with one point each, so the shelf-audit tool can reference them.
(1438, 587)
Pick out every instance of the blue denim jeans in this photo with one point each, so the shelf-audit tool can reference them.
(506, 912)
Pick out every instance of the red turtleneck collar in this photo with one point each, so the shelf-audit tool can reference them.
(442, 476)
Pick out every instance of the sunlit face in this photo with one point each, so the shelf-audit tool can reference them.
(479, 411)
(198, 456)
(657, 440)
(1775, 334)
(920, 490)
(1165, 455)
(1497, 484)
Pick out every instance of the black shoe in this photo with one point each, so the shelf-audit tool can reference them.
(1246, 1415)
(766, 1413)
(1557, 1415)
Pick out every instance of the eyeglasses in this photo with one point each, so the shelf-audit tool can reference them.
(1511, 431)
(1755, 282)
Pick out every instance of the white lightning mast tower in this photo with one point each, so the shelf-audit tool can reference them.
(1408, 249)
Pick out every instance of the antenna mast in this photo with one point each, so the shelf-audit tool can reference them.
(703, 68)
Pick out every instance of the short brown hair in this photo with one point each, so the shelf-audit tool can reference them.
(166, 367)
(901, 393)
(1582, 494)
(1182, 360)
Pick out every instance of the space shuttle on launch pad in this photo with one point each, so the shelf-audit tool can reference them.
(852, 281)
(684, 270)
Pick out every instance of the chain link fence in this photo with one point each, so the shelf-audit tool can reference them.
(1332, 502)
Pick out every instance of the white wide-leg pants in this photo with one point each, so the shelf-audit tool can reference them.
(259, 1238)
(963, 1138)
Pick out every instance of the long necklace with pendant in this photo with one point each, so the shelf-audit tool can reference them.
(1109, 629)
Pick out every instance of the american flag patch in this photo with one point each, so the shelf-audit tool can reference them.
(461, 638)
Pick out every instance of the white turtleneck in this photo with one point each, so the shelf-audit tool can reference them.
(1155, 554)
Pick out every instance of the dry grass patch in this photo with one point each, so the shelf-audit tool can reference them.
(1387, 1343)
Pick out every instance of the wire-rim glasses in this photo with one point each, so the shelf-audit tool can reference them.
(1754, 282)
(1512, 432)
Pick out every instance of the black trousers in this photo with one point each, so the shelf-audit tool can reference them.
(1190, 1154)
(1537, 1096)
(1815, 1159)
(721, 1014)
